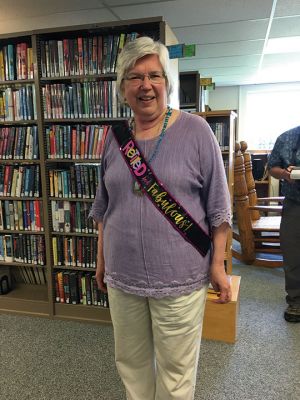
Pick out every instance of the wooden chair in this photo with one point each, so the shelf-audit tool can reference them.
(258, 235)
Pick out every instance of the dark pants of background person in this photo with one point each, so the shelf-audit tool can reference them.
(290, 244)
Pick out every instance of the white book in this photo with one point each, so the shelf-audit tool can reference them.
(295, 174)
(19, 181)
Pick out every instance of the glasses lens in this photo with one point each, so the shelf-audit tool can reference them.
(137, 79)
(156, 77)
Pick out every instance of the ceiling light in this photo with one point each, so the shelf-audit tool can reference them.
(283, 45)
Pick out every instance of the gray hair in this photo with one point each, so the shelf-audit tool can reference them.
(136, 49)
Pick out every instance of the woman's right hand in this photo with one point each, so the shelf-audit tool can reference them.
(100, 272)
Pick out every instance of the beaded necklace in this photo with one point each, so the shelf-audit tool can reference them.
(136, 187)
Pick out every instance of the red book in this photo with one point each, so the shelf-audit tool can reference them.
(23, 69)
(7, 173)
(74, 142)
(80, 55)
(18, 61)
(37, 215)
(60, 280)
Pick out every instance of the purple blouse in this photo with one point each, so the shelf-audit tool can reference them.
(143, 253)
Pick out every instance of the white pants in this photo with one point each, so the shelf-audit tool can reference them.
(157, 343)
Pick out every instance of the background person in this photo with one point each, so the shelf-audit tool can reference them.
(284, 158)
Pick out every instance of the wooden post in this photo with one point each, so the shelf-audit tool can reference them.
(241, 201)
(255, 215)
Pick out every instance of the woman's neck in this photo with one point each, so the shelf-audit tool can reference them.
(144, 128)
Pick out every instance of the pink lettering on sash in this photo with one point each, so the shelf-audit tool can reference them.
(129, 145)
(140, 170)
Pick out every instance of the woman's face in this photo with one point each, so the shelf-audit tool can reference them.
(146, 97)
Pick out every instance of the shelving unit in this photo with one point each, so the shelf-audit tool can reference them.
(59, 69)
(190, 91)
(223, 124)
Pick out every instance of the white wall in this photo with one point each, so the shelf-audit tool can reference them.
(224, 98)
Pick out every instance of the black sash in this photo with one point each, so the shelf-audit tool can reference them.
(178, 217)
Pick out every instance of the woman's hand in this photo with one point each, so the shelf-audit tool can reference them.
(218, 277)
(100, 272)
(220, 283)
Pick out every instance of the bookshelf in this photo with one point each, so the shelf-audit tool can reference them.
(262, 179)
(223, 124)
(190, 91)
(56, 104)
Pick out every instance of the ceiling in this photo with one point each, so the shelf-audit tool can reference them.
(230, 35)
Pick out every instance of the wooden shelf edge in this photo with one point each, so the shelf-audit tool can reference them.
(79, 312)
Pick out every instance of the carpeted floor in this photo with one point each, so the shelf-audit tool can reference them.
(42, 359)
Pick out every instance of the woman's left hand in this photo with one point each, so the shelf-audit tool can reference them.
(220, 283)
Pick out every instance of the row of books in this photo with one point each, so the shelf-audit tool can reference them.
(221, 131)
(75, 141)
(21, 215)
(82, 55)
(78, 181)
(19, 143)
(22, 248)
(92, 99)
(20, 180)
(74, 287)
(16, 62)
(29, 275)
(18, 103)
(72, 217)
(74, 251)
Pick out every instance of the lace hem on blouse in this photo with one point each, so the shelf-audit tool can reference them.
(222, 216)
(157, 291)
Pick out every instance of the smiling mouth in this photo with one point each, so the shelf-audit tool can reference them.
(146, 98)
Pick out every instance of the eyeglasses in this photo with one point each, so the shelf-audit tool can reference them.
(138, 79)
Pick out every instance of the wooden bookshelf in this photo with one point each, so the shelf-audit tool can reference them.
(223, 124)
(57, 69)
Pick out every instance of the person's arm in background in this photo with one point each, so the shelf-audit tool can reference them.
(100, 270)
(218, 277)
(282, 173)
(277, 166)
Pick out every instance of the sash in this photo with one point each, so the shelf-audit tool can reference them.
(177, 216)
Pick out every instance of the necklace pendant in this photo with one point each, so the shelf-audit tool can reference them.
(137, 189)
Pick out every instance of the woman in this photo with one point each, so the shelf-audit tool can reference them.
(157, 280)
